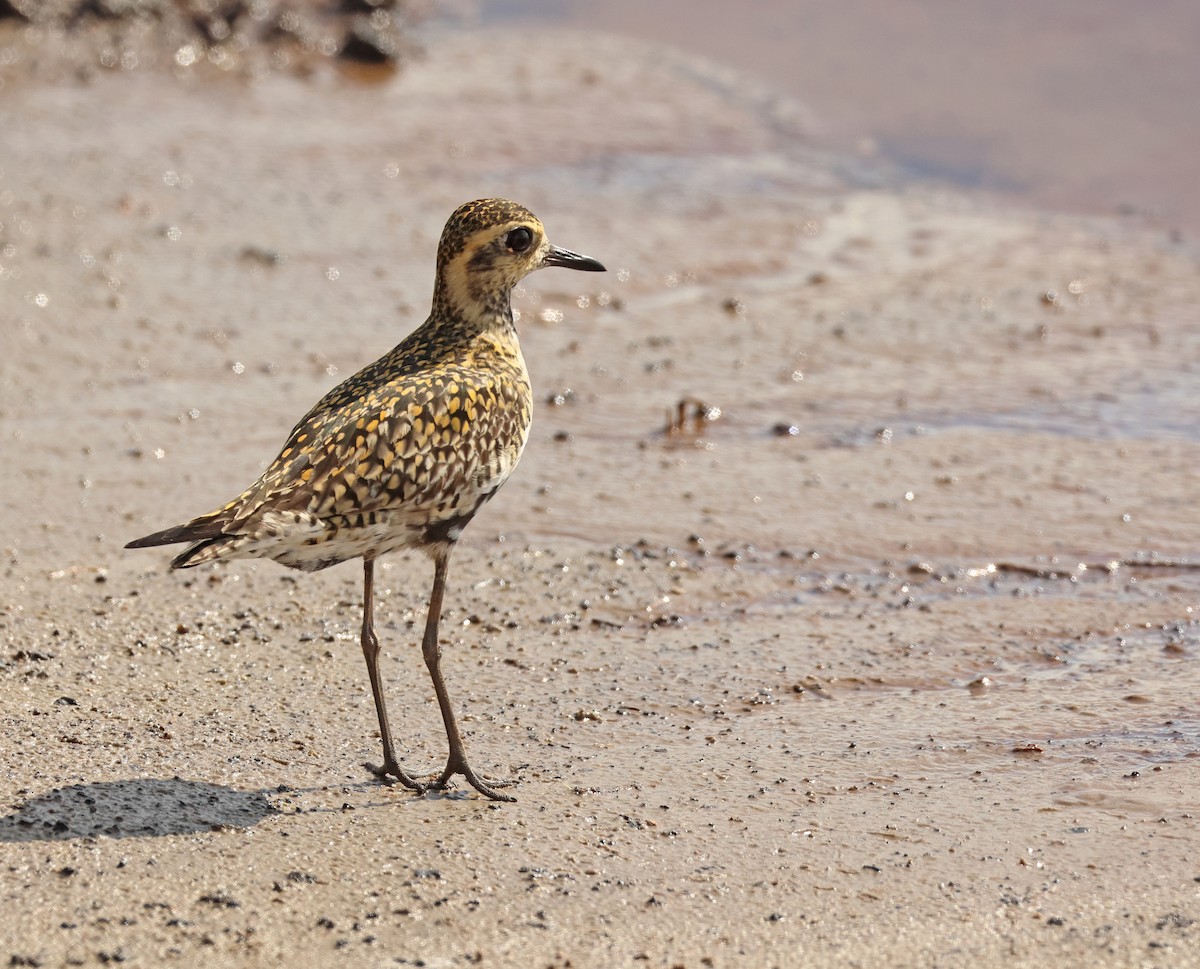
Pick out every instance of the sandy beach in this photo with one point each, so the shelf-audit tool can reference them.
(843, 611)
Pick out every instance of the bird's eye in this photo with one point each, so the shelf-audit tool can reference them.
(519, 239)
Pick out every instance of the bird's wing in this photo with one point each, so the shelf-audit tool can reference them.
(419, 445)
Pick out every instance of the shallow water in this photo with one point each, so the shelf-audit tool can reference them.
(1083, 105)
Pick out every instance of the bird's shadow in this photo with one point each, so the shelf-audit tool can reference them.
(143, 808)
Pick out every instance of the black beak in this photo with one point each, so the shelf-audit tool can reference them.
(572, 260)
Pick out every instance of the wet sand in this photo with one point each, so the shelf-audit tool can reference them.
(888, 655)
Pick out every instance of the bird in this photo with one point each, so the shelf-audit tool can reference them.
(403, 454)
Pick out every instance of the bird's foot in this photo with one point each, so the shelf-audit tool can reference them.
(459, 765)
(391, 772)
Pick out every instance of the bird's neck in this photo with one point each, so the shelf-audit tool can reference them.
(464, 303)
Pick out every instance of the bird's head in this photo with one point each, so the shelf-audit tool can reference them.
(489, 246)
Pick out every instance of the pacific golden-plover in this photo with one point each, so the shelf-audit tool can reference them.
(404, 453)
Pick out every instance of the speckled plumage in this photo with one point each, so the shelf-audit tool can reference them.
(405, 452)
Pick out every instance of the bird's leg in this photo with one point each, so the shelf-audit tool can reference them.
(370, 647)
(457, 761)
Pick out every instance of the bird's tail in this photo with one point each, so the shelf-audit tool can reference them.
(208, 535)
